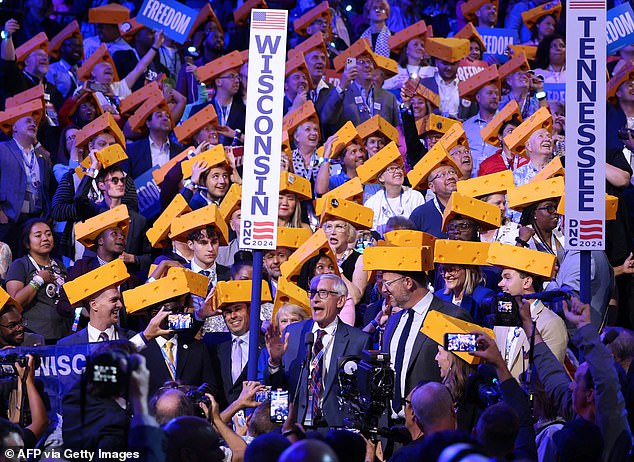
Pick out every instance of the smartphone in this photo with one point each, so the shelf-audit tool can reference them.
(263, 395)
(279, 405)
(411, 85)
(180, 321)
(460, 342)
(351, 62)
(240, 417)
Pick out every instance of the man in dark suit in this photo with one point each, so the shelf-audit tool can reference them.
(412, 353)
(230, 351)
(156, 148)
(317, 404)
(25, 176)
(357, 98)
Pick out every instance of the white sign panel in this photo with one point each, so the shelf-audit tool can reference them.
(263, 130)
(584, 226)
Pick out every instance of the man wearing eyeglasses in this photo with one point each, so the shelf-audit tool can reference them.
(441, 181)
(12, 332)
(317, 404)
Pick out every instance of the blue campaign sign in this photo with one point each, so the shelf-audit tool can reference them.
(555, 91)
(497, 41)
(148, 193)
(619, 27)
(60, 368)
(173, 18)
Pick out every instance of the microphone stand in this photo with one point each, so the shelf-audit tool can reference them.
(308, 341)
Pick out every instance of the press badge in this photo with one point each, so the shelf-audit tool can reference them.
(377, 106)
(358, 100)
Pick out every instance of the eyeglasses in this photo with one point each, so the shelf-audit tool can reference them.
(380, 9)
(322, 293)
(394, 169)
(329, 227)
(14, 325)
(115, 180)
(364, 62)
(549, 208)
(451, 172)
(459, 227)
(230, 76)
(389, 283)
(450, 270)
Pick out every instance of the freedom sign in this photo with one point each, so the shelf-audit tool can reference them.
(585, 111)
(263, 130)
(497, 41)
(620, 27)
(173, 18)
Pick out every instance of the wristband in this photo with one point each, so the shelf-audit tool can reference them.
(521, 242)
(144, 338)
(35, 286)
(38, 280)
(375, 323)
(155, 49)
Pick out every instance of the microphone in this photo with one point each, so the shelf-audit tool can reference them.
(309, 340)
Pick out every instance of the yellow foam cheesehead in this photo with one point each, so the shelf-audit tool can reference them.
(101, 55)
(521, 197)
(85, 286)
(70, 31)
(517, 63)
(470, 87)
(215, 157)
(297, 63)
(409, 238)
(9, 117)
(158, 233)
(36, 92)
(205, 14)
(398, 259)
(437, 156)
(322, 10)
(347, 134)
(470, 33)
(231, 202)
(232, 292)
(314, 42)
(522, 259)
(528, 51)
(199, 219)
(315, 245)
(160, 173)
(112, 13)
(552, 169)
(288, 292)
(625, 74)
(340, 209)
(437, 324)
(186, 131)
(377, 125)
(102, 124)
(177, 282)
(351, 190)
(490, 132)
(39, 42)
(425, 93)
(89, 230)
(532, 16)
(144, 112)
(434, 123)
(292, 238)
(306, 112)
(6, 300)
(516, 140)
(129, 28)
(371, 169)
(450, 50)
(480, 186)
(471, 7)
(451, 252)
(359, 48)
(400, 39)
(387, 65)
(135, 100)
(488, 216)
(611, 206)
(453, 137)
(298, 185)
(214, 69)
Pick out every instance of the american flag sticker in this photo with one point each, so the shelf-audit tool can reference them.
(263, 230)
(268, 20)
(590, 229)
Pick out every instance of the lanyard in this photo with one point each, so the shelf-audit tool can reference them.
(400, 201)
(506, 161)
(170, 366)
(322, 352)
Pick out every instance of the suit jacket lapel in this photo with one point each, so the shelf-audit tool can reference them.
(421, 338)
(182, 355)
(17, 153)
(225, 368)
(339, 345)
(389, 330)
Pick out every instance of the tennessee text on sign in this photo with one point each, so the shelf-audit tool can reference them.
(620, 27)
(263, 130)
(173, 18)
(585, 111)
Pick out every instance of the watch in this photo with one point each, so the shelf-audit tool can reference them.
(189, 183)
(540, 95)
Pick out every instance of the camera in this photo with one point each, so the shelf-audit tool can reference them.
(625, 133)
(108, 371)
(366, 384)
(7, 364)
(197, 396)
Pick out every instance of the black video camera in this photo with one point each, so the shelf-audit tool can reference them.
(7, 363)
(197, 397)
(507, 311)
(108, 372)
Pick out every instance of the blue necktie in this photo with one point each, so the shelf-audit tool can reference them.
(397, 400)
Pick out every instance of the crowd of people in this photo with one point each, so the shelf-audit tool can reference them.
(421, 196)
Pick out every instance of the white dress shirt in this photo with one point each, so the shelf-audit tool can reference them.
(160, 154)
